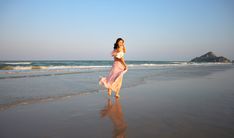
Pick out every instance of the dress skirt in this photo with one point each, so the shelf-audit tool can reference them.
(114, 79)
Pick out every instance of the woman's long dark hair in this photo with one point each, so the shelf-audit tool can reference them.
(116, 46)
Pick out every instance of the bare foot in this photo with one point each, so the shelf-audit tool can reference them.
(117, 96)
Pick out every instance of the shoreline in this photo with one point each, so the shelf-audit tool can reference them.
(142, 81)
(100, 89)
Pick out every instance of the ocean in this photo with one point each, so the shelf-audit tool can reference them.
(25, 82)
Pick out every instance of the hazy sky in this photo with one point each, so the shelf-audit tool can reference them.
(87, 29)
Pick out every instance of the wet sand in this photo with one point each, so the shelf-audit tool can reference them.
(201, 107)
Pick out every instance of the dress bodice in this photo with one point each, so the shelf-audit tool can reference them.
(117, 54)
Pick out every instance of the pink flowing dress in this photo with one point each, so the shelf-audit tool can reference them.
(114, 79)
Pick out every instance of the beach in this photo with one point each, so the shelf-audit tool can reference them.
(175, 101)
(170, 62)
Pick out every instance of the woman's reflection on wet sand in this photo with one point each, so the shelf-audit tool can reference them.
(114, 112)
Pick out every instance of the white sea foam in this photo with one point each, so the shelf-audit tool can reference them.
(158, 65)
(53, 67)
(76, 67)
(17, 63)
(64, 67)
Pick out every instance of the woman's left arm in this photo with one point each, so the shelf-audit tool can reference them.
(123, 62)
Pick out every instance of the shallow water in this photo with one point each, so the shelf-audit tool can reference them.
(30, 86)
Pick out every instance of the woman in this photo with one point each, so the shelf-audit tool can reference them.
(113, 81)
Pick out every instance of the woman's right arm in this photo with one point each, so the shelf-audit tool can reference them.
(124, 49)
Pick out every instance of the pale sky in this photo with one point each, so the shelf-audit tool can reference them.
(87, 29)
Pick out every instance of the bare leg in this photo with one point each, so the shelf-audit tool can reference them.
(109, 92)
(117, 93)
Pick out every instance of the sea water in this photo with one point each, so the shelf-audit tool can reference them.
(32, 81)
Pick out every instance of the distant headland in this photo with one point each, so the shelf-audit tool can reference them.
(211, 57)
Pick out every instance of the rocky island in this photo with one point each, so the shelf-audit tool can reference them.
(211, 57)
